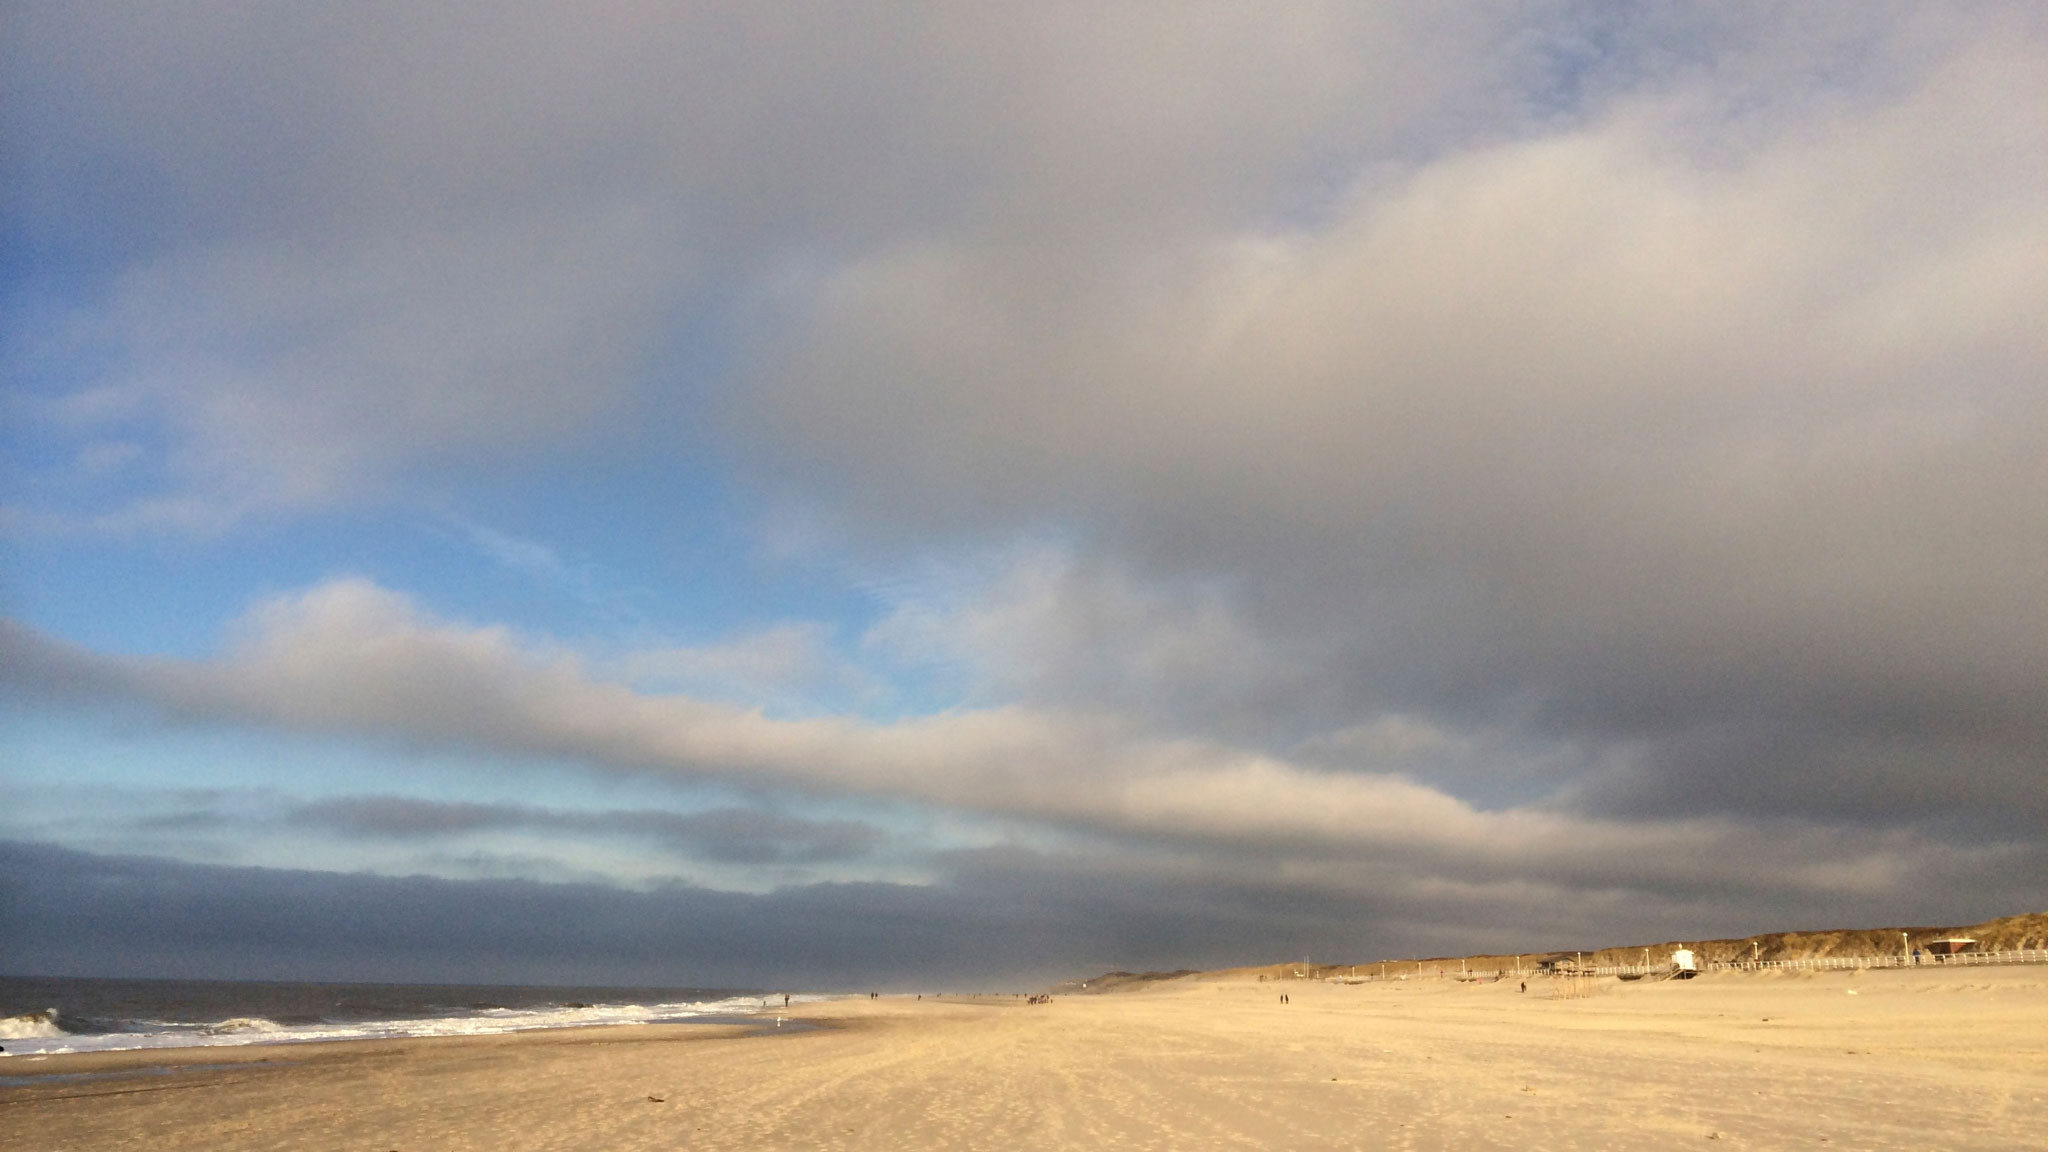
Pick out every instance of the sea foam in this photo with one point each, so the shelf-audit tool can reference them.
(38, 1033)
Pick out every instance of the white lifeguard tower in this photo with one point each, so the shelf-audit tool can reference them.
(1683, 966)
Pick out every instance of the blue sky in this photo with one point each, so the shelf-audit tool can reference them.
(1363, 478)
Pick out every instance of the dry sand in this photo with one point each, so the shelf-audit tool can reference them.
(1912, 1059)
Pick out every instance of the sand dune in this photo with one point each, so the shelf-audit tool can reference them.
(1881, 1059)
(2007, 933)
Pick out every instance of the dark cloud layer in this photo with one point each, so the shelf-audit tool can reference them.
(999, 920)
(1014, 921)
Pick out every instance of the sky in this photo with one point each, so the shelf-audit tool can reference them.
(931, 495)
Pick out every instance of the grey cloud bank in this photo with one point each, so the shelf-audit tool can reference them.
(75, 912)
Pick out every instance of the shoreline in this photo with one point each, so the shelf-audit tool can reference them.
(125, 1061)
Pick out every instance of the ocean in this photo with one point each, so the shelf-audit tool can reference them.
(47, 1015)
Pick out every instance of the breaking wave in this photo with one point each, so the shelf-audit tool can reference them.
(31, 1026)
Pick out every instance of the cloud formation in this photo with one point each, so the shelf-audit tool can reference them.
(353, 659)
(1434, 448)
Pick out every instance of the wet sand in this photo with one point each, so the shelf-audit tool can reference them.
(1911, 1059)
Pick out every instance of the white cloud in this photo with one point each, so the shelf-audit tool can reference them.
(1043, 625)
(786, 666)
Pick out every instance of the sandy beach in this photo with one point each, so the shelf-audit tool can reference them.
(1878, 1059)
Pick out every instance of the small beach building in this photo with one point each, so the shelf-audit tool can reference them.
(1950, 945)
